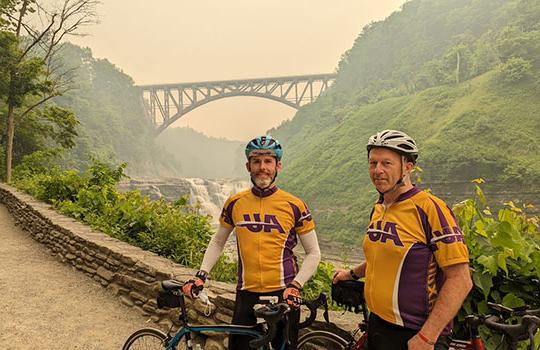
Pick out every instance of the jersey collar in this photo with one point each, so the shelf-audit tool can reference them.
(403, 196)
(264, 193)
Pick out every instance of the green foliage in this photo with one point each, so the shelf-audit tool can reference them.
(401, 73)
(225, 270)
(28, 80)
(320, 282)
(8, 55)
(516, 42)
(515, 69)
(420, 47)
(176, 231)
(113, 124)
(504, 251)
(461, 130)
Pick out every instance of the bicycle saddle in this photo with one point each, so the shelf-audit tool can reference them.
(171, 285)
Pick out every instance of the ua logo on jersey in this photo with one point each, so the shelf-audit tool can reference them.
(389, 232)
(448, 235)
(269, 223)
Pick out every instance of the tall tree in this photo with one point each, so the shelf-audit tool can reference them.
(32, 38)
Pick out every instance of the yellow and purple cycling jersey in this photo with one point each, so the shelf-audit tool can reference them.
(406, 245)
(266, 226)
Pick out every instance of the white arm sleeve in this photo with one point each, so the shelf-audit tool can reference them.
(313, 257)
(215, 247)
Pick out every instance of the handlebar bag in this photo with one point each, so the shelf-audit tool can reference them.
(349, 294)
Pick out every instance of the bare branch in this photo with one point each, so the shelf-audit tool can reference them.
(22, 13)
(80, 13)
(40, 102)
(38, 39)
(34, 34)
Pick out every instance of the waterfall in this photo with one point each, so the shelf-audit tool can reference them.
(210, 195)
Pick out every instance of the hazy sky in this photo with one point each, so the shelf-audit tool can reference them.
(172, 41)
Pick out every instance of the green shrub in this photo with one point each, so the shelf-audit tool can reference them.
(173, 230)
(504, 251)
(515, 70)
(321, 282)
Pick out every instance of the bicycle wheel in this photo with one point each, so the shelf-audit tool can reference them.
(322, 340)
(146, 339)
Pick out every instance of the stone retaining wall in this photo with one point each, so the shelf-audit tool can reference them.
(128, 272)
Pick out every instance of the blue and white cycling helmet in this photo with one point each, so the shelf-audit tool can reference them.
(264, 145)
(397, 141)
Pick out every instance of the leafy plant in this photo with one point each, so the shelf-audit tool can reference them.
(515, 70)
(504, 253)
(320, 282)
(176, 231)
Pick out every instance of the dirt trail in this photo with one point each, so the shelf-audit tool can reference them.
(45, 304)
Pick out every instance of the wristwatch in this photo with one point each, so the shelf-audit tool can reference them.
(353, 275)
(203, 275)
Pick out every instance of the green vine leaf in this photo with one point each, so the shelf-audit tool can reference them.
(511, 300)
(490, 263)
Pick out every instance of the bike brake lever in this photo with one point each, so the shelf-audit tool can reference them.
(326, 317)
(324, 301)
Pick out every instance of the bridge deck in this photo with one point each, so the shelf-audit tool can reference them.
(166, 103)
(45, 304)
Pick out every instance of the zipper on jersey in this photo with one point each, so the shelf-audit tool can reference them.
(259, 241)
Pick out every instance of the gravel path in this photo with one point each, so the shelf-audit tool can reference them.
(45, 304)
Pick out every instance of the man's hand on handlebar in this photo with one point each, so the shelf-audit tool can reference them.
(195, 285)
(292, 295)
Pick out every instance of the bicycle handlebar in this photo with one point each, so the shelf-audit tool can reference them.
(272, 314)
(516, 332)
(507, 312)
(313, 305)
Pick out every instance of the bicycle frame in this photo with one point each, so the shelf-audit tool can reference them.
(476, 344)
(187, 330)
(173, 298)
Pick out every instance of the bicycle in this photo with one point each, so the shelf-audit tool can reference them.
(271, 312)
(322, 339)
(512, 333)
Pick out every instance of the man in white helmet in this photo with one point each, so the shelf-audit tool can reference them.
(417, 264)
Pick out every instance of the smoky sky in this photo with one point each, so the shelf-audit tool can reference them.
(172, 41)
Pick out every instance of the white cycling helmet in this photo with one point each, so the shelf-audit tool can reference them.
(395, 140)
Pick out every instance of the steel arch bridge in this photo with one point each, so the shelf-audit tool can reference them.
(166, 103)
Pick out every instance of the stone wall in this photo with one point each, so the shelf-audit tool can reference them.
(130, 273)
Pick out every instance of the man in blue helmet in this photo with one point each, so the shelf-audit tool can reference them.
(268, 223)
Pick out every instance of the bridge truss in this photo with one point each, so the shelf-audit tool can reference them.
(166, 103)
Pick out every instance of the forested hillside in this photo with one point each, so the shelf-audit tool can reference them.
(105, 120)
(113, 125)
(462, 77)
(112, 121)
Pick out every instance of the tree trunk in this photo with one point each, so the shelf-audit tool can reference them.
(10, 125)
(9, 144)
